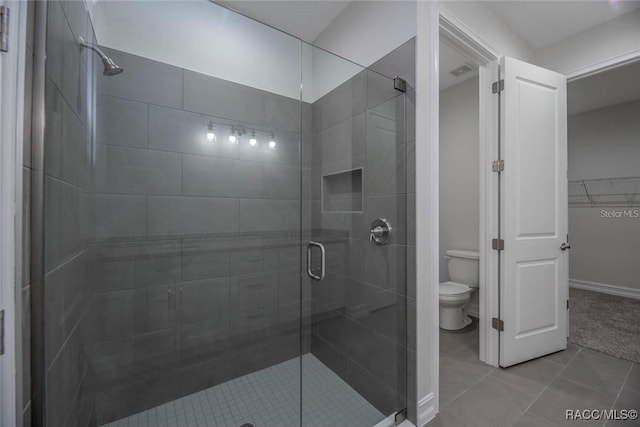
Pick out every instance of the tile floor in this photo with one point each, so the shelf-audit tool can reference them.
(532, 394)
(267, 398)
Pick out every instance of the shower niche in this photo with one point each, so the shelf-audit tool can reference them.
(342, 192)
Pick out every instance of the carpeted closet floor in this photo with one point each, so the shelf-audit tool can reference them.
(606, 323)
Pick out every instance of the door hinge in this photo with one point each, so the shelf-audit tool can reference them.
(4, 29)
(497, 244)
(497, 324)
(400, 416)
(2, 332)
(497, 87)
(497, 166)
(567, 304)
(399, 84)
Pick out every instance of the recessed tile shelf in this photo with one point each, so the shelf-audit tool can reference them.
(342, 192)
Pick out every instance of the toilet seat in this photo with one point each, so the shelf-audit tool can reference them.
(452, 291)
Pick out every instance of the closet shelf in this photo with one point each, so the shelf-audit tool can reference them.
(620, 191)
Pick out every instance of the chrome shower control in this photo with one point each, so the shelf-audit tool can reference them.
(380, 231)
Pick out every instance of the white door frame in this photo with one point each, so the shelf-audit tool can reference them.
(11, 138)
(606, 65)
(455, 34)
(435, 22)
(429, 18)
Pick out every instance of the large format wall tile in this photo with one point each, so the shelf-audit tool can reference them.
(62, 222)
(399, 62)
(205, 257)
(281, 182)
(222, 98)
(269, 215)
(346, 101)
(341, 141)
(216, 177)
(282, 112)
(180, 131)
(121, 122)
(360, 312)
(125, 170)
(78, 18)
(64, 65)
(192, 215)
(204, 299)
(113, 316)
(64, 380)
(143, 80)
(67, 144)
(119, 216)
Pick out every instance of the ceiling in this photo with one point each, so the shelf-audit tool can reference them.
(305, 19)
(604, 89)
(451, 59)
(541, 23)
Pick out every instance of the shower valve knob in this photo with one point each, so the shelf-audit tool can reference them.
(380, 232)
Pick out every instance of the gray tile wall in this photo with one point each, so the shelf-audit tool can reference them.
(196, 256)
(173, 265)
(26, 285)
(65, 293)
(362, 325)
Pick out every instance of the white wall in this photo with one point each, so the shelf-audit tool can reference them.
(325, 72)
(604, 143)
(609, 40)
(203, 37)
(490, 28)
(459, 169)
(365, 31)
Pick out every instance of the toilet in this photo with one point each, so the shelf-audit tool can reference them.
(455, 295)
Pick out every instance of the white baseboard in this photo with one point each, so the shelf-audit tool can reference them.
(474, 310)
(426, 409)
(605, 289)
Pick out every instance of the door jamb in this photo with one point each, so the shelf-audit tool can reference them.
(603, 66)
(457, 35)
(433, 20)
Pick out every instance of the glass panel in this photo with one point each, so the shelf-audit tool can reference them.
(354, 359)
(182, 173)
(172, 217)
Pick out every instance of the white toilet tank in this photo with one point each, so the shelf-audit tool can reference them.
(464, 267)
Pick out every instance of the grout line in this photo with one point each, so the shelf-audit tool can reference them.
(626, 378)
(468, 388)
(551, 382)
(148, 126)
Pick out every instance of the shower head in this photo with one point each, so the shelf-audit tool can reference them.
(110, 67)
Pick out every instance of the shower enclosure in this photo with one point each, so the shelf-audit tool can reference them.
(225, 223)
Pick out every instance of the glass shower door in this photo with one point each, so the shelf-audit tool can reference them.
(354, 242)
(179, 199)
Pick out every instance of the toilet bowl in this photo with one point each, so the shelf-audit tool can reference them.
(455, 294)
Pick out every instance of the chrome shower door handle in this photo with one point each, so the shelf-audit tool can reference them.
(310, 272)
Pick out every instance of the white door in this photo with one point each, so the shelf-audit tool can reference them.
(534, 278)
